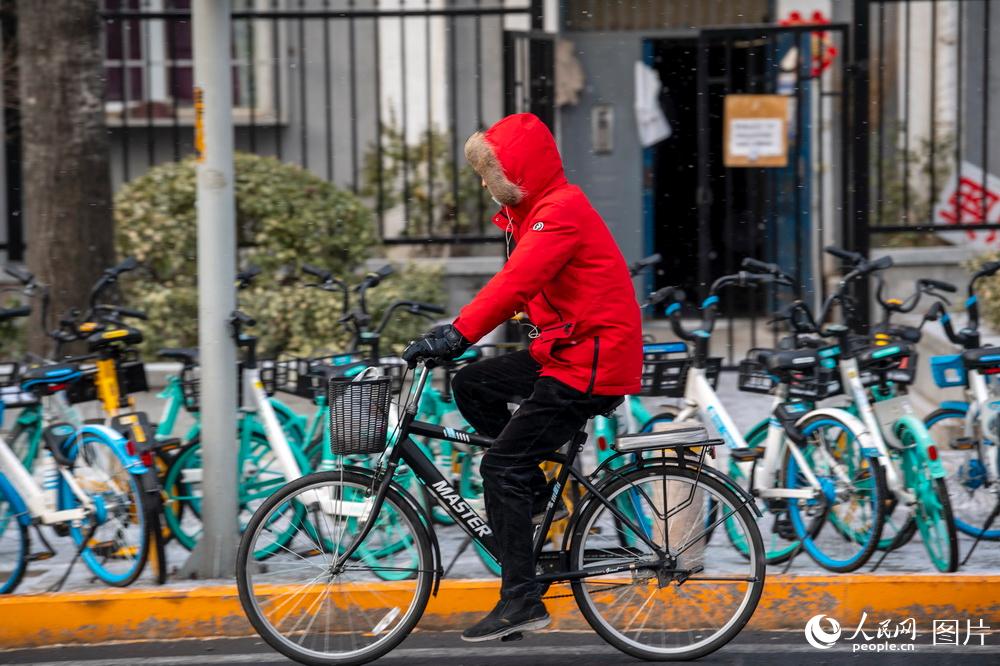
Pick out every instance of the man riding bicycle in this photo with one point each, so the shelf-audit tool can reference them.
(567, 275)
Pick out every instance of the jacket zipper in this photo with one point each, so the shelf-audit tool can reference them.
(554, 308)
(593, 369)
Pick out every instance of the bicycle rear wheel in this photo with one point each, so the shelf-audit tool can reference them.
(664, 612)
(14, 542)
(313, 613)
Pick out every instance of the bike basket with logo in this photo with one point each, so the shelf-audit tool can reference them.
(359, 415)
(948, 370)
(664, 370)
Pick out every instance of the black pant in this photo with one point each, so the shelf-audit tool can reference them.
(550, 413)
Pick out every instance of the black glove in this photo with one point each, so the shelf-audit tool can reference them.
(441, 342)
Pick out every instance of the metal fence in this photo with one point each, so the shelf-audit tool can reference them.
(933, 142)
(376, 97)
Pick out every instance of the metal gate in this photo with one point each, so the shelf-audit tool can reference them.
(529, 74)
(784, 214)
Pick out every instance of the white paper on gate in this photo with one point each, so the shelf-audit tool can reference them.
(652, 123)
(961, 202)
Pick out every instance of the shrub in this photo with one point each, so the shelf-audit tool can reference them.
(285, 217)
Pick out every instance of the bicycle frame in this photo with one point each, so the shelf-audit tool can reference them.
(850, 377)
(403, 449)
(700, 397)
(978, 413)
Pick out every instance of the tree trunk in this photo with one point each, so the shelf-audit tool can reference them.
(66, 154)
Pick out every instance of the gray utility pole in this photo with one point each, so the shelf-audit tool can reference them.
(215, 554)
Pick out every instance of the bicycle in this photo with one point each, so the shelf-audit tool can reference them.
(968, 426)
(873, 376)
(809, 462)
(304, 604)
(92, 491)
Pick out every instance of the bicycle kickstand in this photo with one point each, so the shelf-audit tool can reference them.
(76, 556)
(986, 526)
(461, 549)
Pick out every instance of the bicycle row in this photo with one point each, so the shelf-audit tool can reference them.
(838, 481)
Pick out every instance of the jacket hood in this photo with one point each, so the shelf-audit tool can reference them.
(518, 159)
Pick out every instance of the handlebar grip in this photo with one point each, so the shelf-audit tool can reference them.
(127, 264)
(665, 294)
(385, 271)
(988, 269)
(846, 255)
(10, 313)
(248, 274)
(940, 285)
(243, 318)
(879, 264)
(19, 274)
(756, 265)
(135, 314)
(637, 266)
(315, 271)
(430, 308)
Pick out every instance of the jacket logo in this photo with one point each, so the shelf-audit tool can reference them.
(538, 226)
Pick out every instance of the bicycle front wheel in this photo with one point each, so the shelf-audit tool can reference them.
(117, 538)
(312, 610)
(692, 602)
(852, 494)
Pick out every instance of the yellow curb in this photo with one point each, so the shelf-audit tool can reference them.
(788, 602)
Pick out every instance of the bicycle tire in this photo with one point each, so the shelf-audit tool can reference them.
(14, 533)
(963, 480)
(97, 559)
(244, 577)
(874, 481)
(583, 528)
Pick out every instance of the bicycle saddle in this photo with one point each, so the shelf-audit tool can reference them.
(186, 355)
(791, 359)
(987, 357)
(47, 376)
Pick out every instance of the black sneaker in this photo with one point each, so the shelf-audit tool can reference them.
(542, 501)
(510, 616)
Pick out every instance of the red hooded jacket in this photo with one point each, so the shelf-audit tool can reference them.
(566, 271)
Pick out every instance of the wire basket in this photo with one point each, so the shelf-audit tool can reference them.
(664, 373)
(191, 384)
(11, 393)
(359, 415)
(754, 377)
(131, 379)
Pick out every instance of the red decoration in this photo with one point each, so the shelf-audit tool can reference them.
(823, 49)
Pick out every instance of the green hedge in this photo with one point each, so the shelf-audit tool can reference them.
(285, 217)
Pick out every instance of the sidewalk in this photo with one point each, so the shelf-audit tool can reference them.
(214, 611)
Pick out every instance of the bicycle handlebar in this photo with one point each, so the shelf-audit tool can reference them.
(20, 274)
(119, 311)
(709, 307)
(637, 267)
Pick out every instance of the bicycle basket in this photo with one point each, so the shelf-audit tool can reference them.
(948, 370)
(359, 415)
(754, 377)
(664, 373)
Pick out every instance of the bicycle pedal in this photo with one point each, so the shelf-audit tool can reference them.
(40, 557)
(783, 528)
(516, 636)
(748, 454)
(963, 443)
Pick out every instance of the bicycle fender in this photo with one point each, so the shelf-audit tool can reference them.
(8, 491)
(857, 426)
(432, 535)
(117, 443)
(923, 443)
(957, 405)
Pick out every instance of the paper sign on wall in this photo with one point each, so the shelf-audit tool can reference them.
(755, 131)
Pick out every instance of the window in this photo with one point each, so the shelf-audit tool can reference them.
(149, 65)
